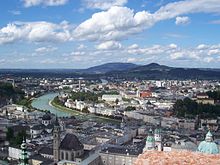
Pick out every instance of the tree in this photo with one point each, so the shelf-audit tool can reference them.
(116, 101)
(130, 108)
(9, 134)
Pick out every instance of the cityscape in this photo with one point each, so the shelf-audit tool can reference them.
(110, 82)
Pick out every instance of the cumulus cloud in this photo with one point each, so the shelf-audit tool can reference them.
(182, 20)
(202, 46)
(103, 4)
(35, 31)
(173, 52)
(109, 45)
(173, 46)
(214, 52)
(29, 3)
(120, 22)
(114, 24)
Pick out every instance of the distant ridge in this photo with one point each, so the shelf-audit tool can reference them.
(109, 67)
(157, 71)
(127, 71)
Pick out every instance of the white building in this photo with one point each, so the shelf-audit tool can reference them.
(111, 98)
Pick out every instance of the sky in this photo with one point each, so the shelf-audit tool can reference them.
(84, 33)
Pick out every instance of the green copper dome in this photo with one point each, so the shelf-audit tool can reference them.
(157, 131)
(208, 146)
(150, 139)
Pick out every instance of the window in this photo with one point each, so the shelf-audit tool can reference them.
(62, 155)
(67, 156)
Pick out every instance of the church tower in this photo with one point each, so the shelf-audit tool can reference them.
(24, 155)
(150, 142)
(122, 124)
(158, 140)
(56, 141)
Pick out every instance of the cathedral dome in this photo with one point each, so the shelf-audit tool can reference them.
(208, 146)
(46, 117)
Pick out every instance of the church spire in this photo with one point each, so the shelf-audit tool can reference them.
(150, 142)
(24, 155)
(56, 140)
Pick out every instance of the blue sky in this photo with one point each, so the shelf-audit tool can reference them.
(84, 33)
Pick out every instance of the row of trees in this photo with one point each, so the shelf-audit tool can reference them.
(190, 108)
(214, 95)
(84, 96)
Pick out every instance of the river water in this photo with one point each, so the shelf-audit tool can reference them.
(42, 103)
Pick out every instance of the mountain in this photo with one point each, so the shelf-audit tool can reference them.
(156, 71)
(120, 70)
(151, 66)
(109, 67)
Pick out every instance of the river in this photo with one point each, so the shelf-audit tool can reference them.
(43, 103)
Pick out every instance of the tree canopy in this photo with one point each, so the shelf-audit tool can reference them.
(190, 108)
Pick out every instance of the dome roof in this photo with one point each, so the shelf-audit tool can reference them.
(208, 147)
(46, 117)
(150, 139)
(157, 131)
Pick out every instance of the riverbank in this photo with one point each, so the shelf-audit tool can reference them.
(62, 108)
(83, 115)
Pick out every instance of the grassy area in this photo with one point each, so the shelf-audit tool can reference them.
(65, 109)
(25, 102)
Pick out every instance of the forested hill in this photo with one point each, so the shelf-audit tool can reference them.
(7, 92)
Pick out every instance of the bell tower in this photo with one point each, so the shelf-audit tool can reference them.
(158, 139)
(24, 155)
(56, 141)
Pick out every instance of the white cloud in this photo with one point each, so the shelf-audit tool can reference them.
(20, 60)
(118, 23)
(35, 31)
(78, 53)
(177, 55)
(29, 3)
(202, 46)
(214, 52)
(109, 45)
(45, 49)
(208, 59)
(114, 24)
(15, 12)
(103, 4)
(182, 20)
(131, 59)
(133, 46)
(81, 46)
(173, 46)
